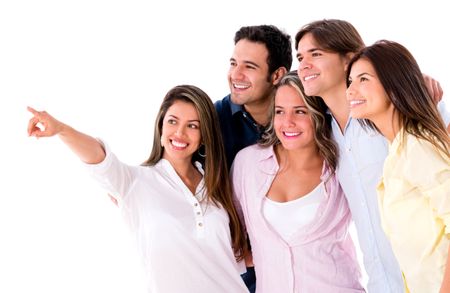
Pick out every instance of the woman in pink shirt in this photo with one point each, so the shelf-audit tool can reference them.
(295, 212)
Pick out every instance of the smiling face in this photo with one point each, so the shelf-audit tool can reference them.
(321, 72)
(292, 121)
(248, 73)
(366, 95)
(181, 135)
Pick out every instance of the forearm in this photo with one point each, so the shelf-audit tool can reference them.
(87, 148)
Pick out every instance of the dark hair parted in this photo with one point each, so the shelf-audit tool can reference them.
(403, 82)
(321, 122)
(333, 35)
(217, 183)
(278, 44)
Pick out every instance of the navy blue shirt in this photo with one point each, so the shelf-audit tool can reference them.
(238, 127)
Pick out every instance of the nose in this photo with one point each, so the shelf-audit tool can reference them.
(304, 64)
(236, 72)
(350, 92)
(180, 130)
(289, 119)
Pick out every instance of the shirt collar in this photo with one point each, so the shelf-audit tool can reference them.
(235, 108)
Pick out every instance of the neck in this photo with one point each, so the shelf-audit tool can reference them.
(187, 172)
(336, 101)
(304, 158)
(388, 125)
(259, 111)
(183, 167)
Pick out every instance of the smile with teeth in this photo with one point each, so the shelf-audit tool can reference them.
(178, 144)
(240, 86)
(291, 134)
(354, 103)
(306, 78)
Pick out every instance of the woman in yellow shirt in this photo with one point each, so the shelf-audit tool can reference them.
(387, 90)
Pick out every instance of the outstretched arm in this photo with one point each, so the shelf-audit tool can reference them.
(87, 148)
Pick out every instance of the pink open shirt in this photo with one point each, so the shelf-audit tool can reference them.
(319, 257)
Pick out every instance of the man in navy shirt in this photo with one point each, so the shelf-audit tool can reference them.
(262, 56)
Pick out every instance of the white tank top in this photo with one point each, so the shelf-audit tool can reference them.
(289, 217)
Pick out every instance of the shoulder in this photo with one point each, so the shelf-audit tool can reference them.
(222, 105)
(252, 153)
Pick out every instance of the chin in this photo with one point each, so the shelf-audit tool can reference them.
(357, 115)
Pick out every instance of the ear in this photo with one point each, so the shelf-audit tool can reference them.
(278, 74)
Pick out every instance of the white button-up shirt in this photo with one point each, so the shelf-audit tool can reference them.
(184, 242)
(361, 158)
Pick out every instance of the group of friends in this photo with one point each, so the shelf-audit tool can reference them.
(256, 192)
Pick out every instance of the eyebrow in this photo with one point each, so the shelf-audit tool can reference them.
(295, 107)
(247, 62)
(364, 73)
(173, 116)
(310, 51)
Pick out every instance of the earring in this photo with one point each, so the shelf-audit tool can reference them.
(204, 151)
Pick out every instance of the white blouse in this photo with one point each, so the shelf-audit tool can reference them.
(185, 244)
(286, 218)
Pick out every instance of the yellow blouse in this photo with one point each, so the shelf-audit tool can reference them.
(414, 198)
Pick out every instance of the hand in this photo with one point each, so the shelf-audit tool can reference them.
(43, 124)
(434, 88)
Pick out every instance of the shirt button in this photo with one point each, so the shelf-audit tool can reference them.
(200, 224)
(198, 213)
(195, 204)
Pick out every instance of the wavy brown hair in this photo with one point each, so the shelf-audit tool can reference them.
(216, 176)
(405, 87)
(321, 121)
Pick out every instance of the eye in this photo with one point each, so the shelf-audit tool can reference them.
(232, 63)
(301, 111)
(193, 126)
(349, 82)
(362, 79)
(316, 54)
(299, 58)
(278, 112)
(250, 67)
(171, 121)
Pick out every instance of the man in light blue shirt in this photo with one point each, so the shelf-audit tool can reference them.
(324, 48)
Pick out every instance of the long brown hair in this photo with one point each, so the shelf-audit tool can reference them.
(405, 87)
(216, 176)
(321, 121)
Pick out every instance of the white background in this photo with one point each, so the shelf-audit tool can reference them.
(104, 67)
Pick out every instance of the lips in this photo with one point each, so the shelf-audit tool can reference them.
(178, 144)
(309, 77)
(355, 103)
(291, 134)
(240, 86)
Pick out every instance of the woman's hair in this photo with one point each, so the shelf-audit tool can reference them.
(217, 183)
(332, 35)
(321, 121)
(405, 87)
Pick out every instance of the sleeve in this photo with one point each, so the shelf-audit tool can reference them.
(112, 175)
(430, 171)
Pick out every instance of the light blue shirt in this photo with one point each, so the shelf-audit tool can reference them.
(361, 157)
